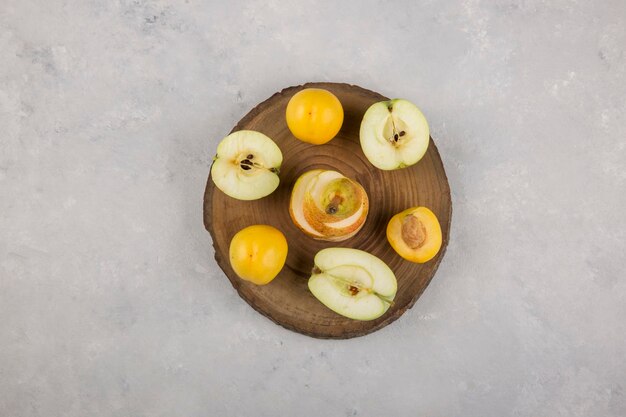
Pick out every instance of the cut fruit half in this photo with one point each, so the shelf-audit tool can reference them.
(415, 234)
(353, 283)
(394, 134)
(247, 164)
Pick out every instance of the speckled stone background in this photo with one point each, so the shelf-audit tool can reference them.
(111, 303)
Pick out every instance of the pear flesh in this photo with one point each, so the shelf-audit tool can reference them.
(326, 205)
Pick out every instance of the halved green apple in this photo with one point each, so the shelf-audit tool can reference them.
(353, 283)
(326, 205)
(247, 164)
(394, 134)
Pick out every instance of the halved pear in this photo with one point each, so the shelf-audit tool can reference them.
(247, 164)
(394, 134)
(353, 283)
(326, 205)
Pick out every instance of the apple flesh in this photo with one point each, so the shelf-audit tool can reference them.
(394, 134)
(246, 166)
(326, 205)
(353, 283)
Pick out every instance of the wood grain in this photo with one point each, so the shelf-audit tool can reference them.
(287, 300)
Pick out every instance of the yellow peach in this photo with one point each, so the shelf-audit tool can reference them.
(415, 234)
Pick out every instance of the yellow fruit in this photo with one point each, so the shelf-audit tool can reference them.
(258, 253)
(415, 234)
(314, 115)
(326, 205)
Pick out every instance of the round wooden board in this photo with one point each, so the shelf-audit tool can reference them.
(287, 300)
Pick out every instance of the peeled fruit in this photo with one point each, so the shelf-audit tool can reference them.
(353, 283)
(258, 253)
(247, 164)
(314, 115)
(415, 234)
(327, 205)
(394, 134)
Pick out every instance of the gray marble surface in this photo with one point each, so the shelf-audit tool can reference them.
(111, 303)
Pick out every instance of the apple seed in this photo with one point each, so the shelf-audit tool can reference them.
(246, 164)
(394, 139)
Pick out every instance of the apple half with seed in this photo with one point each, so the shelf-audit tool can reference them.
(326, 205)
(246, 166)
(394, 134)
(353, 283)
